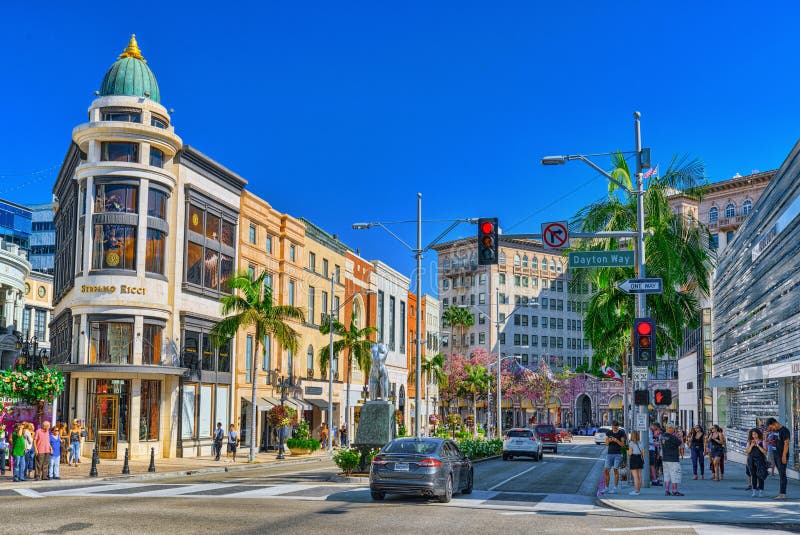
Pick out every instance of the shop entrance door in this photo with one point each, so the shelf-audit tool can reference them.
(107, 418)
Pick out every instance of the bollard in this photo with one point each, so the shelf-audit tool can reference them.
(93, 469)
(152, 467)
(125, 468)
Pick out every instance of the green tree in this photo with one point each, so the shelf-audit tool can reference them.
(459, 318)
(676, 250)
(355, 343)
(250, 305)
(433, 368)
(475, 382)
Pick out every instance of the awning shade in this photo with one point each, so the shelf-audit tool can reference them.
(321, 403)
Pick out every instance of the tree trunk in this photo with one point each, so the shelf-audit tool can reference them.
(254, 411)
(474, 413)
(347, 398)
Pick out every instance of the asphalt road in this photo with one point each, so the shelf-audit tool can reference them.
(551, 496)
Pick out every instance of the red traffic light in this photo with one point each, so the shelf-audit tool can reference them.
(644, 328)
(487, 227)
(659, 397)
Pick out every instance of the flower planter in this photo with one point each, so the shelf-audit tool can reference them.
(300, 451)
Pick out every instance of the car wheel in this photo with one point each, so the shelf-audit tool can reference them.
(448, 491)
(377, 496)
(535, 457)
(505, 457)
(468, 488)
(555, 450)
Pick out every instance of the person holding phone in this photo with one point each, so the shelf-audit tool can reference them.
(756, 461)
(781, 453)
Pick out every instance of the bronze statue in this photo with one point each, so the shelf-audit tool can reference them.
(378, 375)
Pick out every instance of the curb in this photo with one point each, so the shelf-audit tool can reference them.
(159, 475)
(348, 479)
(484, 459)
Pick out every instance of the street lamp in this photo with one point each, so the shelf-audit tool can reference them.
(642, 160)
(418, 251)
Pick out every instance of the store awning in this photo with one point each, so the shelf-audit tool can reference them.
(321, 403)
(263, 404)
(298, 404)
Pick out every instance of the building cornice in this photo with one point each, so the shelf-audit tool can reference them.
(323, 238)
(196, 160)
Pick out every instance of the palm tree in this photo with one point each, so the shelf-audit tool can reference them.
(458, 317)
(433, 368)
(677, 251)
(357, 344)
(474, 382)
(252, 306)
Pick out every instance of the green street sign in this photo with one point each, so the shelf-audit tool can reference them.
(599, 259)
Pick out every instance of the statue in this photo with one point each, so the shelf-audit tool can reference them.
(378, 375)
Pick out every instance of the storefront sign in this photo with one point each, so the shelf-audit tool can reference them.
(313, 390)
(108, 289)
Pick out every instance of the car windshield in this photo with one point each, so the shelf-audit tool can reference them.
(514, 433)
(603, 430)
(545, 429)
(412, 447)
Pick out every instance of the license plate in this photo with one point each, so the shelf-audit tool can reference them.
(401, 467)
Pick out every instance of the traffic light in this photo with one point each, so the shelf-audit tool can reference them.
(644, 342)
(641, 397)
(487, 241)
(663, 397)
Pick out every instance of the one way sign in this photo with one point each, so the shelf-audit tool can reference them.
(641, 286)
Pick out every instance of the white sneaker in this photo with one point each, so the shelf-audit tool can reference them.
(633, 493)
(760, 493)
(611, 490)
(754, 493)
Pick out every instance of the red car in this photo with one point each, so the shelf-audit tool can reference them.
(548, 436)
(563, 435)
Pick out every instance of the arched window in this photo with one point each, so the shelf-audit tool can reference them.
(730, 210)
(747, 206)
(534, 263)
(552, 265)
(544, 263)
(464, 261)
(446, 264)
(502, 257)
(559, 266)
(473, 260)
(525, 261)
(357, 313)
(713, 214)
(310, 361)
(516, 260)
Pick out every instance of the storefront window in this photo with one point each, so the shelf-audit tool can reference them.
(114, 395)
(114, 247)
(156, 246)
(110, 342)
(211, 269)
(150, 401)
(115, 151)
(225, 272)
(188, 414)
(208, 354)
(151, 344)
(191, 349)
(204, 422)
(228, 232)
(116, 198)
(157, 203)
(196, 219)
(224, 357)
(222, 406)
(210, 244)
(212, 227)
(194, 263)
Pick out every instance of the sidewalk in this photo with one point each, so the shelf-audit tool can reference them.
(725, 501)
(111, 469)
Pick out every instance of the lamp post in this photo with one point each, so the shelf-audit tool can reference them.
(639, 192)
(498, 324)
(418, 252)
(283, 383)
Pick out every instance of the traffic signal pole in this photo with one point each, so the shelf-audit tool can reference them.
(641, 299)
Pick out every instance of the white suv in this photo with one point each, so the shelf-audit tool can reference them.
(521, 442)
(600, 436)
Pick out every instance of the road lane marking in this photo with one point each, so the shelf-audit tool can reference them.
(30, 493)
(513, 477)
(646, 528)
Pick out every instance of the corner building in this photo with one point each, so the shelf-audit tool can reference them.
(145, 240)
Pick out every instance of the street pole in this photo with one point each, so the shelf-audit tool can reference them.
(330, 366)
(418, 356)
(499, 422)
(641, 299)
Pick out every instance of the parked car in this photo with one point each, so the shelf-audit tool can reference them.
(587, 431)
(522, 442)
(432, 467)
(600, 436)
(547, 434)
(563, 434)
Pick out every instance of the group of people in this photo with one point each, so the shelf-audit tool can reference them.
(767, 448)
(39, 453)
(340, 433)
(231, 438)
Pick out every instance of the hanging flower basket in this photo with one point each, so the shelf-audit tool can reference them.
(32, 386)
(282, 416)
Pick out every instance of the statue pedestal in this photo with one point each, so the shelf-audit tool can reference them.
(375, 424)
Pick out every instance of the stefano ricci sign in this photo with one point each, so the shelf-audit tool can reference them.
(112, 288)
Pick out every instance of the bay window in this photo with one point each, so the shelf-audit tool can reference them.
(209, 248)
(118, 151)
(110, 342)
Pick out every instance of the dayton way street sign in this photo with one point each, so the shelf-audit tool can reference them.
(599, 259)
(641, 286)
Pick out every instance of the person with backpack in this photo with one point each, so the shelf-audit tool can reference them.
(219, 436)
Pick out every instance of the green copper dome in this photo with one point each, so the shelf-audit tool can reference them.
(131, 76)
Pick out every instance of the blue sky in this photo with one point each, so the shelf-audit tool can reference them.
(342, 112)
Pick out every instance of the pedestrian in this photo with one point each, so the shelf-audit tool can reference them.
(772, 458)
(652, 435)
(62, 435)
(18, 452)
(781, 453)
(74, 440)
(343, 435)
(636, 462)
(4, 449)
(323, 436)
(615, 440)
(29, 453)
(671, 451)
(54, 468)
(233, 441)
(756, 461)
(43, 451)
(697, 447)
(219, 436)
(715, 446)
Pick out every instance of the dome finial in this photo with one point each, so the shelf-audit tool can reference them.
(132, 50)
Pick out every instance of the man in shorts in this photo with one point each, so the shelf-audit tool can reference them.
(615, 439)
(671, 453)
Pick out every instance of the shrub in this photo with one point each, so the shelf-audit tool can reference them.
(303, 443)
(442, 433)
(347, 459)
(476, 448)
(462, 435)
(402, 431)
(301, 430)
